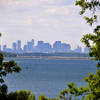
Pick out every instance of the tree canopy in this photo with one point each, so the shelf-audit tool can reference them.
(90, 9)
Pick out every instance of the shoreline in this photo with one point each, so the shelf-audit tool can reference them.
(51, 57)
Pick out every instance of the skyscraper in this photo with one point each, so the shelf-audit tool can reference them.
(30, 46)
(5, 48)
(18, 44)
(57, 46)
(19, 49)
(32, 41)
(25, 48)
(65, 47)
(14, 48)
(47, 47)
(40, 46)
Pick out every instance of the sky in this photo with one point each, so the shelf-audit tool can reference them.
(47, 20)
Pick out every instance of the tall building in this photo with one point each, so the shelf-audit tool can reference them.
(65, 47)
(57, 46)
(19, 49)
(4, 48)
(25, 48)
(14, 47)
(40, 43)
(18, 44)
(47, 47)
(40, 46)
(78, 49)
(30, 46)
(32, 41)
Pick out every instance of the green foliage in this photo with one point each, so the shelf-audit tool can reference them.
(91, 6)
(93, 42)
(72, 92)
(3, 92)
(21, 95)
(53, 99)
(42, 97)
(7, 67)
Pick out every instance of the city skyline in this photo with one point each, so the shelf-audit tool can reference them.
(43, 47)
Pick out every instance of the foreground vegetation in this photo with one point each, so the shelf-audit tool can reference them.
(90, 92)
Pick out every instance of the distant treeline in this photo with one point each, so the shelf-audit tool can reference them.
(46, 54)
(55, 54)
(6, 54)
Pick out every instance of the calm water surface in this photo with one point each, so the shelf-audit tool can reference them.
(48, 77)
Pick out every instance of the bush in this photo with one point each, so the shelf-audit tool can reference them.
(21, 95)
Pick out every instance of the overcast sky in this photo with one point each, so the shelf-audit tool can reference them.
(47, 20)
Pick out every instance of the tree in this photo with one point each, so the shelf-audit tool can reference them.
(21, 95)
(91, 7)
(92, 41)
(5, 69)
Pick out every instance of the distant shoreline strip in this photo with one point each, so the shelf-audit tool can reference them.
(53, 57)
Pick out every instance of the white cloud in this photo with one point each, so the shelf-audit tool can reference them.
(58, 10)
(29, 21)
(42, 20)
(30, 3)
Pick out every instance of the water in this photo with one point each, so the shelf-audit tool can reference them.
(48, 77)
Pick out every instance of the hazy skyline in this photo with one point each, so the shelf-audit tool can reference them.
(47, 20)
(41, 47)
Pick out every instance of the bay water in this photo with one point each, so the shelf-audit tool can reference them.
(48, 77)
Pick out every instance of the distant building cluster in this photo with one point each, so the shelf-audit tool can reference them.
(41, 47)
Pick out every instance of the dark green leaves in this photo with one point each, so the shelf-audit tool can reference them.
(21, 95)
(1, 58)
(11, 66)
(4, 89)
(93, 42)
(90, 6)
(6, 68)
